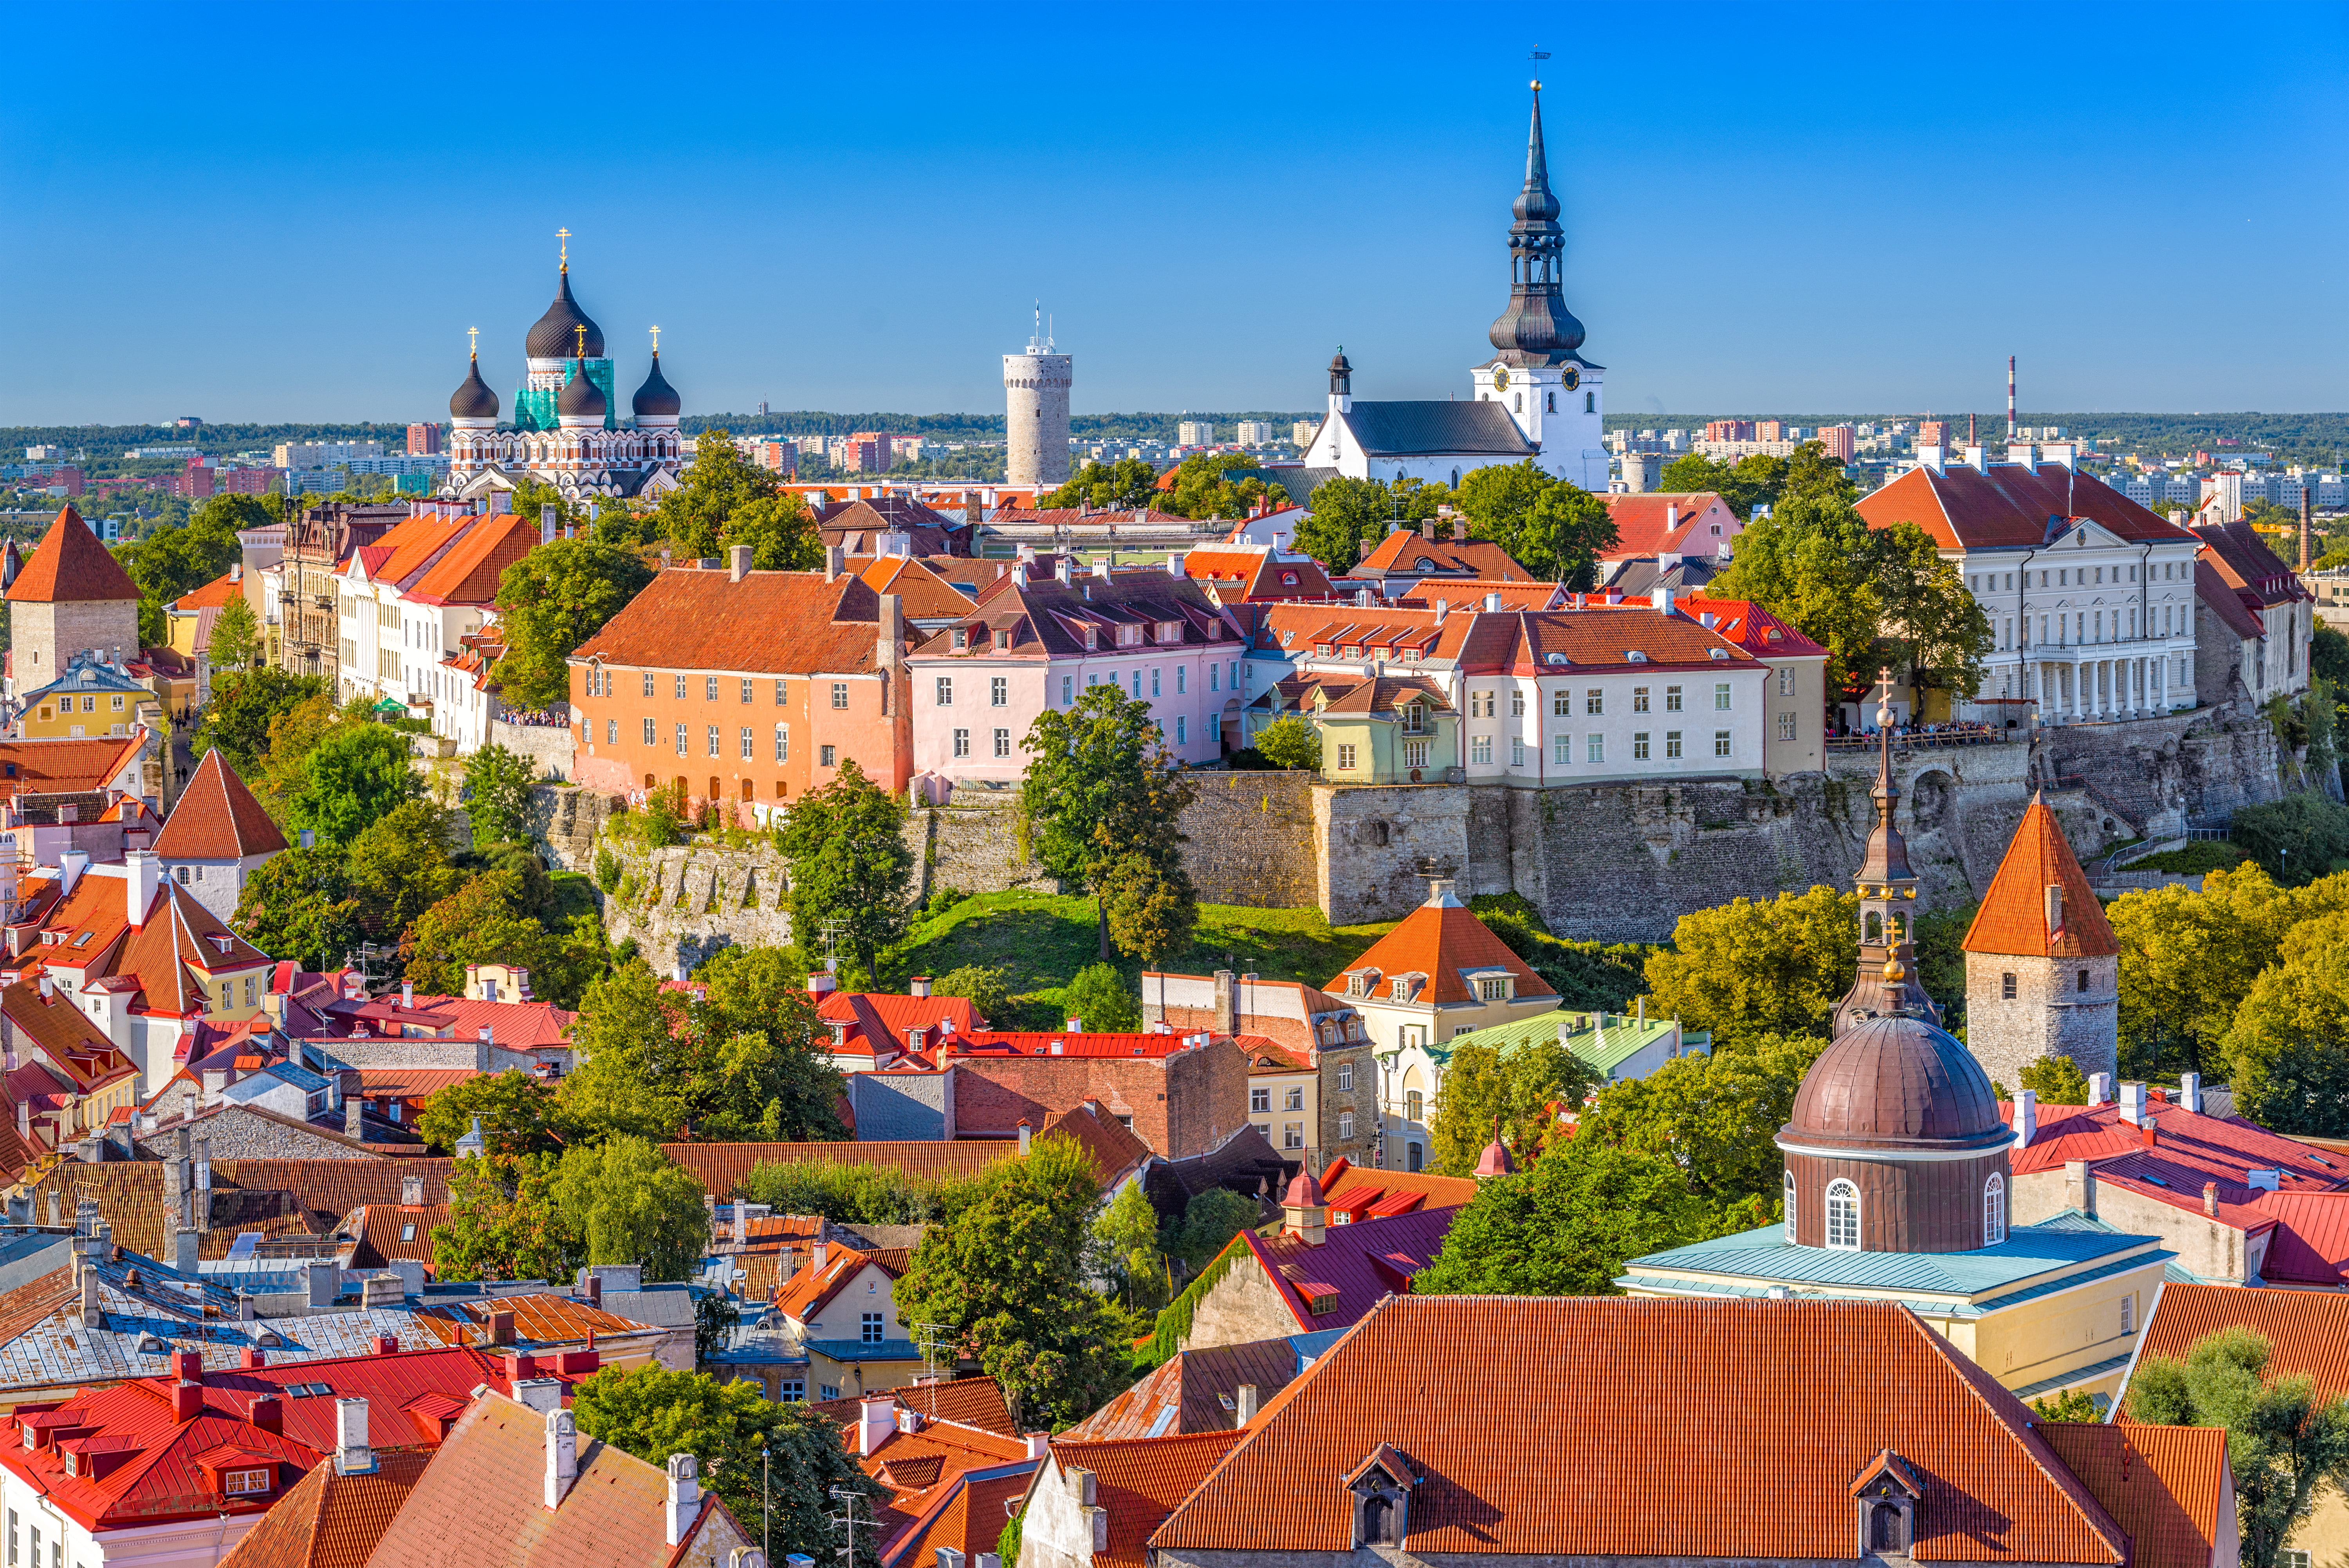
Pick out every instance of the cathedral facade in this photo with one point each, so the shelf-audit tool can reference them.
(566, 430)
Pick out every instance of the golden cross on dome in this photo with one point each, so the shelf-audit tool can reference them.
(1884, 701)
(655, 339)
(473, 341)
(581, 332)
(564, 236)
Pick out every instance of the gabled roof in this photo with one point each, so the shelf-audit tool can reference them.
(1815, 1390)
(792, 623)
(2010, 507)
(2013, 914)
(213, 595)
(927, 595)
(466, 573)
(1404, 553)
(75, 766)
(1442, 939)
(1750, 626)
(967, 1517)
(70, 567)
(218, 818)
(1257, 572)
(1193, 1391)
(879, 1020)
(1600, 636)
(330, 1520)
(2308, 1329)
(1435, 429)
(2225, 600)
(1356, 1265)
(2235, 552)
(1139, 1482)
(1656, 523)
(806, 1294)
(966, 1401)
(2168, 1488)
(1348, 1186)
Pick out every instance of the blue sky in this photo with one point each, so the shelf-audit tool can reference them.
(281, 212)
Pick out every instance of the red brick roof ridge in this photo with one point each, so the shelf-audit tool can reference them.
(218, 818)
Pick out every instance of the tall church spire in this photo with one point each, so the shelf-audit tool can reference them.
(1887, 984)
(1536, 328)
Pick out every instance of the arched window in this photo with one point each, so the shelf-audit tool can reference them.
(1790, 1206)
(1551, 407)
(1843, 1215)
(1993, 1210)
(1590, 403)
(1875, 926)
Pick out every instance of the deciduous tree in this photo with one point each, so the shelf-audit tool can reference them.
(1349, 516)
(496, 795)
(1810, 563)
(244, 703)
(503, 1223)
(1099, 996)
(627, 1202)
(552, 600)
(1291, 741)
(1715, 1116)
(297, 905)
(356, 773)
(1745, 969)
(1100, 785)
(1149, 905)
(1566, 1226)
(236, 637)
(850, 869)
(1126, 485)
(516, 1111)
(629, 1080)
(1516, 1092)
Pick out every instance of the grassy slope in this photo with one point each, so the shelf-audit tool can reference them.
(1041, 942)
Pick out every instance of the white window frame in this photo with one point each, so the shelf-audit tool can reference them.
(1843, 1215)
(1994, 1209)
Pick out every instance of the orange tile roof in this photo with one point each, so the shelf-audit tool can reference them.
(966, 1401)
(2308, 1329)
(1751, 626)
(218, 818)
(539, 1318)
(1814, 1390)
(723, 1167)
(1139, 1481)
(2167, 1487)
(2008, 506)
(330, 1521)
(1193, 1391)
(2013, 914)
(70, 567)
(388, 1231)
(1406, 551)
(807, 1293)
(925, 594)
(969, 1518)
(785, 622)
(212, 596)
(1258, 572)
(468, 573)
(1439, 939)
(1658, 522)
(67, 766)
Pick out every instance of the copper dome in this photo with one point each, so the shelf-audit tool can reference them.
(1895, 1084)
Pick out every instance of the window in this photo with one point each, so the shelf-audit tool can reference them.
(1480, 749)
(1067, 690)
(1292, 1135)
(1215, 679)
(611, 731)
(781, 691)
(1417, 1156)
(652, 733)
(183, 876)
(1789, 1206)
(1182, 729)
(827, 1390)
(1590, 403)
(1561, 703)
(746, 688)
(1994, 1214)
(1260, 1101)
(791, 1391)
(1639, 698)
(1785, 726)
(2006, 986)
(840, 694)
(782, 743)
(1671, 744)
(1493, 990)
(2083, 981)
(1720, 743)
(1137, 680)
(945, 698)
(1594, 701)
(1414, 754)
(999, 691)
(1516, 751)
(1843, 1215)
(680, 688)
(648, 682)
(962, 742)
(1594, 748)
(1182, 680)
(243, 1483)
(1561, 748)
(680, 740)
(1639, 746)
(868, 1326)
(1153, 681)
(1345, 1127)
(1721, 697)
(1345, 1074)
(1002, 742)
(1517, 704)
(1786, 680)
(713, 740)
(1671, 699)
(1345, 758)
(827, 756)
(117, 704)
(1294, 1101)
(1549, 403)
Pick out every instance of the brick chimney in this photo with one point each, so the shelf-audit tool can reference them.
(683, 1505)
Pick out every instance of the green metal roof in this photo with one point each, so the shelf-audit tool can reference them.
(2029, 1253)
(1604, 1041)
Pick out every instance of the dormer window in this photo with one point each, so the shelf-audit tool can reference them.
(961, 640)
(1381, 1487)
(1886, 1495)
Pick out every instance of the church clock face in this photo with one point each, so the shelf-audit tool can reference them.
(1573, 376)
(1500, 378)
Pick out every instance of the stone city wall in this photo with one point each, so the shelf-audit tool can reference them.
(547, 747)
(682, 903)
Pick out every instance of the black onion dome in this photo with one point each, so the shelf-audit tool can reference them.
(580, 396)
(656, 396)
(474, 399)
(556, 334)
(1896, 1083)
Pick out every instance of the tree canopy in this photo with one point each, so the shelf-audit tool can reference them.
(1745, 969)
(1515, 1092)
(1566, 1226)
(552, 600)
(1349, 517)
(1203, 487)
(297, 905)
(497, 794)
(1553, 529)
(852, 871)
(1101, 786)
(244, 702)
(627, 1202)
(1127, 484)
(357, 773)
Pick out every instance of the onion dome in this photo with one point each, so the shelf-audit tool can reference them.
(1892, 1086)
(1304, 1192)
(1536, 328)
(556, 334)
(657, 399)
(474, 399)
(581, 397)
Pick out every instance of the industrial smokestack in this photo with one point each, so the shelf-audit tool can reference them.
(2010, 426)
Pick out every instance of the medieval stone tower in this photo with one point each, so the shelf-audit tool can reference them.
(1036, 413)
(2043, 967)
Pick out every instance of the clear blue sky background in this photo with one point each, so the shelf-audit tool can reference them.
(286, 213)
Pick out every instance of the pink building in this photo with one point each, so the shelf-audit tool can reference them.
(1840, 441)
(423, 441)
(1040, 641)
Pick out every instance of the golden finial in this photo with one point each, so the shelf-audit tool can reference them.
(1536, 84)
(564, 236)
(581, 333)
(473, 341)
(656, 340)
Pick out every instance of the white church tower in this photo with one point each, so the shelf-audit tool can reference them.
(1555, 396)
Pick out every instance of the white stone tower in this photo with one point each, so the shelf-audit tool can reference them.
(2042, 966)
(1036, 413)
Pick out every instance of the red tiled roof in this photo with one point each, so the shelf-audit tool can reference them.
(1140, 1481)
(1357, 1265)
(212, 596)
(1085, 1043)
(967, 1401)
(480, 1505)
(2308, 1329)
(1241, 572)
(539, 1318)
(2236, 552)
(925, 594)
(723, 1167)
(878, 1021)
(1195, 1391)
(807, 1293)
(468, 573)
(1405, 552)
(70, 567)
(2310, 1244)
(387, 1230)
(1751, 626)
(1660, 522)
(2013, 914)
(67, 766)
(1345, 1186)
(2008, 506)
(217, 818)
(1599, 636)
(1813, 1389)
(2167, 1487)
(2226, 601)
(968, 1518)
(329, 1520)
(785, 622)
(1439, 940)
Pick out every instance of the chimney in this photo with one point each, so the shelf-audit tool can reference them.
(2190, 1091)
(2211, 1198)
(1664, 600)
(352, 1454)
(561, 1456)
(1243, 1403)
(412, 1190)
(1933, 457)
(501, 1327)
(546, 515)
(876, 1419)
(354, 1115)
(142, 877)
(2150, 1130)
(834, 563)
(268, 1412)
(742, 1222)
(2133, 1103)
(684, 1503)
(1040, 1445)
(543, 1394)
(92, 1315)
(1024, 1133)
(2080, 1187)
(2026, 1118)
(2100, 1088)
(920, 986)
(595, 1290)
(187, 1400)
(255, 1358)
(816, 1257)
(482, 1052)
(1228, 1004)
(890, 638)
(738, 563)
(71, 864)
(909, 1421)
(408, 993)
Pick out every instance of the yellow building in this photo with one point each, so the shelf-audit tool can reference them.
(93, 696)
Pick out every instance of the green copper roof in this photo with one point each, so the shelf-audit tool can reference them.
(1604, 1041)
(1989, 1276)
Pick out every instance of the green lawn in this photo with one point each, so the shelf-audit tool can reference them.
(1041, 941)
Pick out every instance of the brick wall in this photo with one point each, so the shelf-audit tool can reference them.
(1181, 1105)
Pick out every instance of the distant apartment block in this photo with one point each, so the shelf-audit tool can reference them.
(1839, 441)
(1195, 432)
(319, 453)
(1933, 432)
(1255, 432)
(1301, 434)
(1729, 430)
(423, 441)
